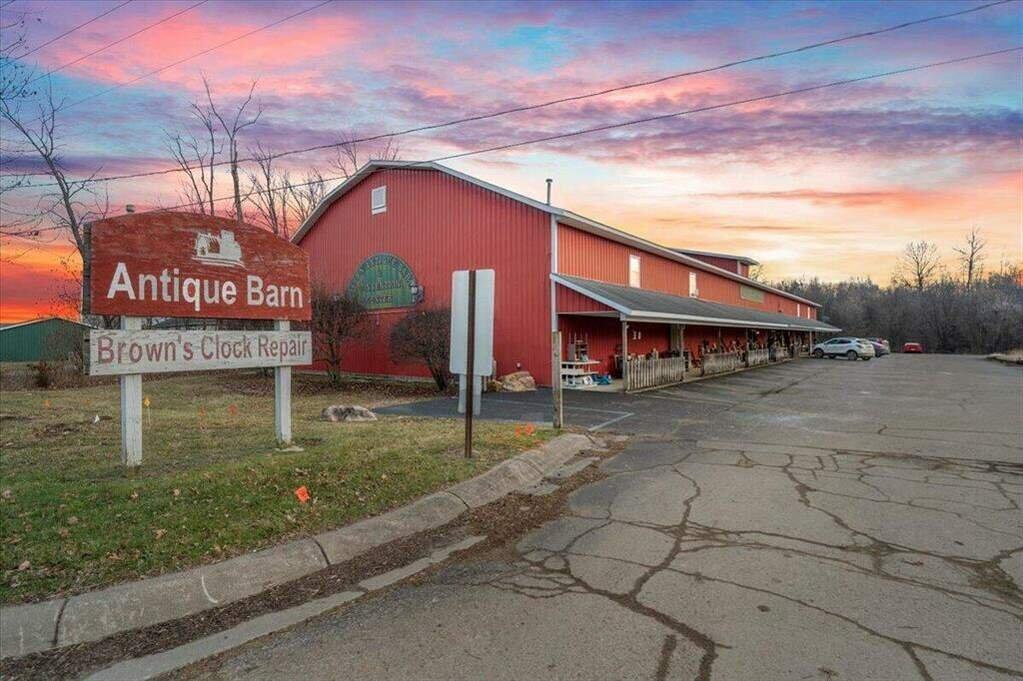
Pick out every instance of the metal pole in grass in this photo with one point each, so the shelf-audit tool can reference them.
(470, 369)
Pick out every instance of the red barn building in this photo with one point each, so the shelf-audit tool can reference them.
(394, 232)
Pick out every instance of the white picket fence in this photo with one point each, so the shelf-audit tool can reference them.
(720, 362)
(645, 373)
(759, 357)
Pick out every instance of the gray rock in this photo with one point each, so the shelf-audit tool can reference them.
(344, 412)
(518, 382)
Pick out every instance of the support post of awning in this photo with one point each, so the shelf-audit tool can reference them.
(625, 354)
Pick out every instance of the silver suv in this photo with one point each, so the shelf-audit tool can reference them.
(850, 348)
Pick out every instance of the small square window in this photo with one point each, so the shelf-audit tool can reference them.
(694, 291)
(634, 271)
(378, 199)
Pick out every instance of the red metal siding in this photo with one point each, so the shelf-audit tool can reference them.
(730, 264)
(586, 255)
(694, 336)
(604, 337)
(437, 224)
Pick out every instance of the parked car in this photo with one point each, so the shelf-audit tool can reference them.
(881, 346)
(912, 347)
(844, 346)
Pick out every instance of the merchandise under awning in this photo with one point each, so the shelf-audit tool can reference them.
(635, 304)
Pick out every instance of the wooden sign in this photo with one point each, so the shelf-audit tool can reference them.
(114, 352)
(165, 264)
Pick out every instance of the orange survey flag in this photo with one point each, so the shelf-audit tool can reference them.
(303, 494)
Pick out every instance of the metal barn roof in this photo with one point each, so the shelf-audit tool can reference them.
(638, 304)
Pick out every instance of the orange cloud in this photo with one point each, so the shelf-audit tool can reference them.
(33, 281)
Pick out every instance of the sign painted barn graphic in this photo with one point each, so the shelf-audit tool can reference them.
(185, 265)
(385, 281)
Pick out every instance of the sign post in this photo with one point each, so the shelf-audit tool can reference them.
(470, 349)
(472, 335)
(131, 408)
(166, 264)
(282, 395)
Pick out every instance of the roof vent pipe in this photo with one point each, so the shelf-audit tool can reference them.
(130, 208)
(549, 183)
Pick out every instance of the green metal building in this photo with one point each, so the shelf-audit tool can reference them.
(49, 338)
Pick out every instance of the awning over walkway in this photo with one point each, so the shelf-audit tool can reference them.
(634, 304)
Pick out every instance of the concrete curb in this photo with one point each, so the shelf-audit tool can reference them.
(95, 615)
(154, 665)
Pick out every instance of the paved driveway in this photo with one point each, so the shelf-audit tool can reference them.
(647, 413)
(821, 520)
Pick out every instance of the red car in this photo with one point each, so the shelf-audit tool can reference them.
(912, 347)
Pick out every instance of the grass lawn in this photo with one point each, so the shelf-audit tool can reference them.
(211, 485)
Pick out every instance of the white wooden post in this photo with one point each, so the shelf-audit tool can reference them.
(131, 409)
(625, 355)
(282, 396)
(557, 394)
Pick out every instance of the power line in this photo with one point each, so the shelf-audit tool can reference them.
(712, 107)
(611, 126)
(116, 42)
(562, 100)
(185, 59)
(72, 30)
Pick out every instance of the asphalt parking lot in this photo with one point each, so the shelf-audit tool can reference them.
(822, 520)
(650, 412)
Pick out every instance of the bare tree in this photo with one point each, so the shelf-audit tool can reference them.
(270, 192)
(351, 155)
(307, 194)
(336, 319)
(15, 87)
(232, 126)
(918, 264)
(197, 158)
(64, 209)
(422, 336)
(970, 257)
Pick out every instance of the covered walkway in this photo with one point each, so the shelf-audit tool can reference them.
(651, 339)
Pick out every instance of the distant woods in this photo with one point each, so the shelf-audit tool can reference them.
(955, 306)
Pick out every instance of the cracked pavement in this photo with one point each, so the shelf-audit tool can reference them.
(817, 520)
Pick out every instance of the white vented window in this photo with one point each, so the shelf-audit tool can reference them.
(694, 290)
(634, 271)
(378, 199)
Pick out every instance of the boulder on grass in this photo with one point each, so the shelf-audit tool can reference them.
(518, 382)
(344, 412)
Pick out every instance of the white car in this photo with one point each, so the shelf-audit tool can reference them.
(850, 348)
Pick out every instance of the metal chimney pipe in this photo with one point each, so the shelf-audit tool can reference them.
(549, 183)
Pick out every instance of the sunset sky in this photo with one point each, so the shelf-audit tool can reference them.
(829, 184)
